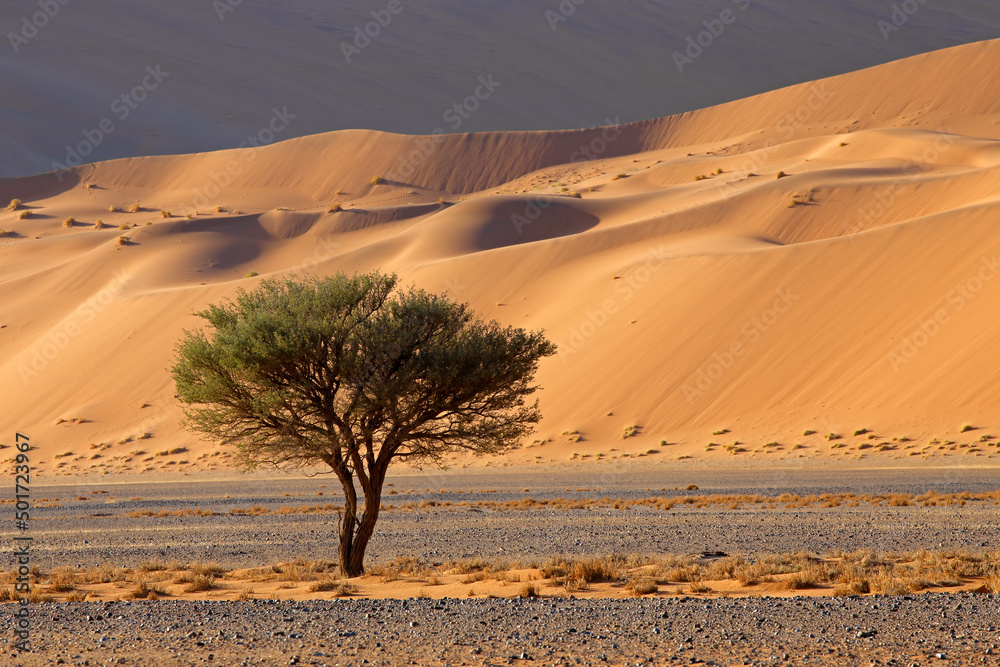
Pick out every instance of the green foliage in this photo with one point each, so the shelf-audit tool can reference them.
(350, 368)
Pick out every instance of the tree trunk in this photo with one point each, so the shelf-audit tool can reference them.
(356, 564)
(354, 534)
(346, 528)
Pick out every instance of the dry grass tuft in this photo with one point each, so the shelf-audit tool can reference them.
(528, 591)
(340, 589)
(145, 591)
(639, 587)
(196, 583)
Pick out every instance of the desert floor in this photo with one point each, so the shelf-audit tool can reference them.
(395, 616)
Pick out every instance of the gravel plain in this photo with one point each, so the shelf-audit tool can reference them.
(946, 629)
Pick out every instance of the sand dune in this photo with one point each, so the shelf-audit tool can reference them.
(689, 288)
(225, 66)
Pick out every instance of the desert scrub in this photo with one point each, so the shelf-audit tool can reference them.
(196, 583)
(529, 591)
(630, 431)
(377, 180)
(640, 587)
(145, 591)
(69, 222)
(14, 204)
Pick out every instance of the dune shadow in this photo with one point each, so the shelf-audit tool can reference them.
(528, 221)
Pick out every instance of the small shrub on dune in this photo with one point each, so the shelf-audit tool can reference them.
(134, 208)
(251, 274)
(165, 214)
(780, 176)
(114, 209)
(377, 180)
(125, 227)
(334, 208)
(123, 241)
(14, 204)
(69, 222)
(24, 215)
